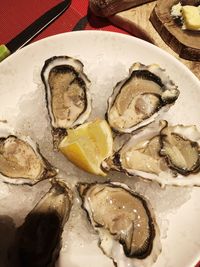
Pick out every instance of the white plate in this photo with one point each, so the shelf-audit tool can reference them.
(107, 58)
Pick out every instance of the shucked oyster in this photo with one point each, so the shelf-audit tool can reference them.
(38, 239)
(124, 220)
(166, 154)
(67, 94)
(137, 100)
(21, 161)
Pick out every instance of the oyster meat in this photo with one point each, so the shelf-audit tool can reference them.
(21, 161)
(137, 100)
(164, 153)
(38, 239)
(125, 222)
(67, 94)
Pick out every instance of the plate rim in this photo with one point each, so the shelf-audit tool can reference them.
(106, 33)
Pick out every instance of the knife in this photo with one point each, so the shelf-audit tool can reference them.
(32, 30)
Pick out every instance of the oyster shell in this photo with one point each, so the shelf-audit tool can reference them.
(167, 154)
(67, 95)
(38, 239)
(138, 100)
(21, 161)
(124, 220)
(7, 233)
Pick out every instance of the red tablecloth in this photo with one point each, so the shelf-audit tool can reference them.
(17, 15)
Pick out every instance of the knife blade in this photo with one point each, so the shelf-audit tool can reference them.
(33, 29)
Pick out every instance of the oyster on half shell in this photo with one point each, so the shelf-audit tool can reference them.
(138, 100)
(125, 222)
(168, 154)
(67, 94)
(38, 239)
(21, 161)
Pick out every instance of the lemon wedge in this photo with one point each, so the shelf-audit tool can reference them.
(88, 145)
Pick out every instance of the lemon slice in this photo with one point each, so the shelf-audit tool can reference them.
(88, 145)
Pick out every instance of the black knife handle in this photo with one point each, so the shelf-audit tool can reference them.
(37, 26)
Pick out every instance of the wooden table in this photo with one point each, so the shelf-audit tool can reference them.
(139, 17)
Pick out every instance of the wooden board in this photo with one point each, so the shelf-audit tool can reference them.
(136, 20)
(184, 42)
(107, 8)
